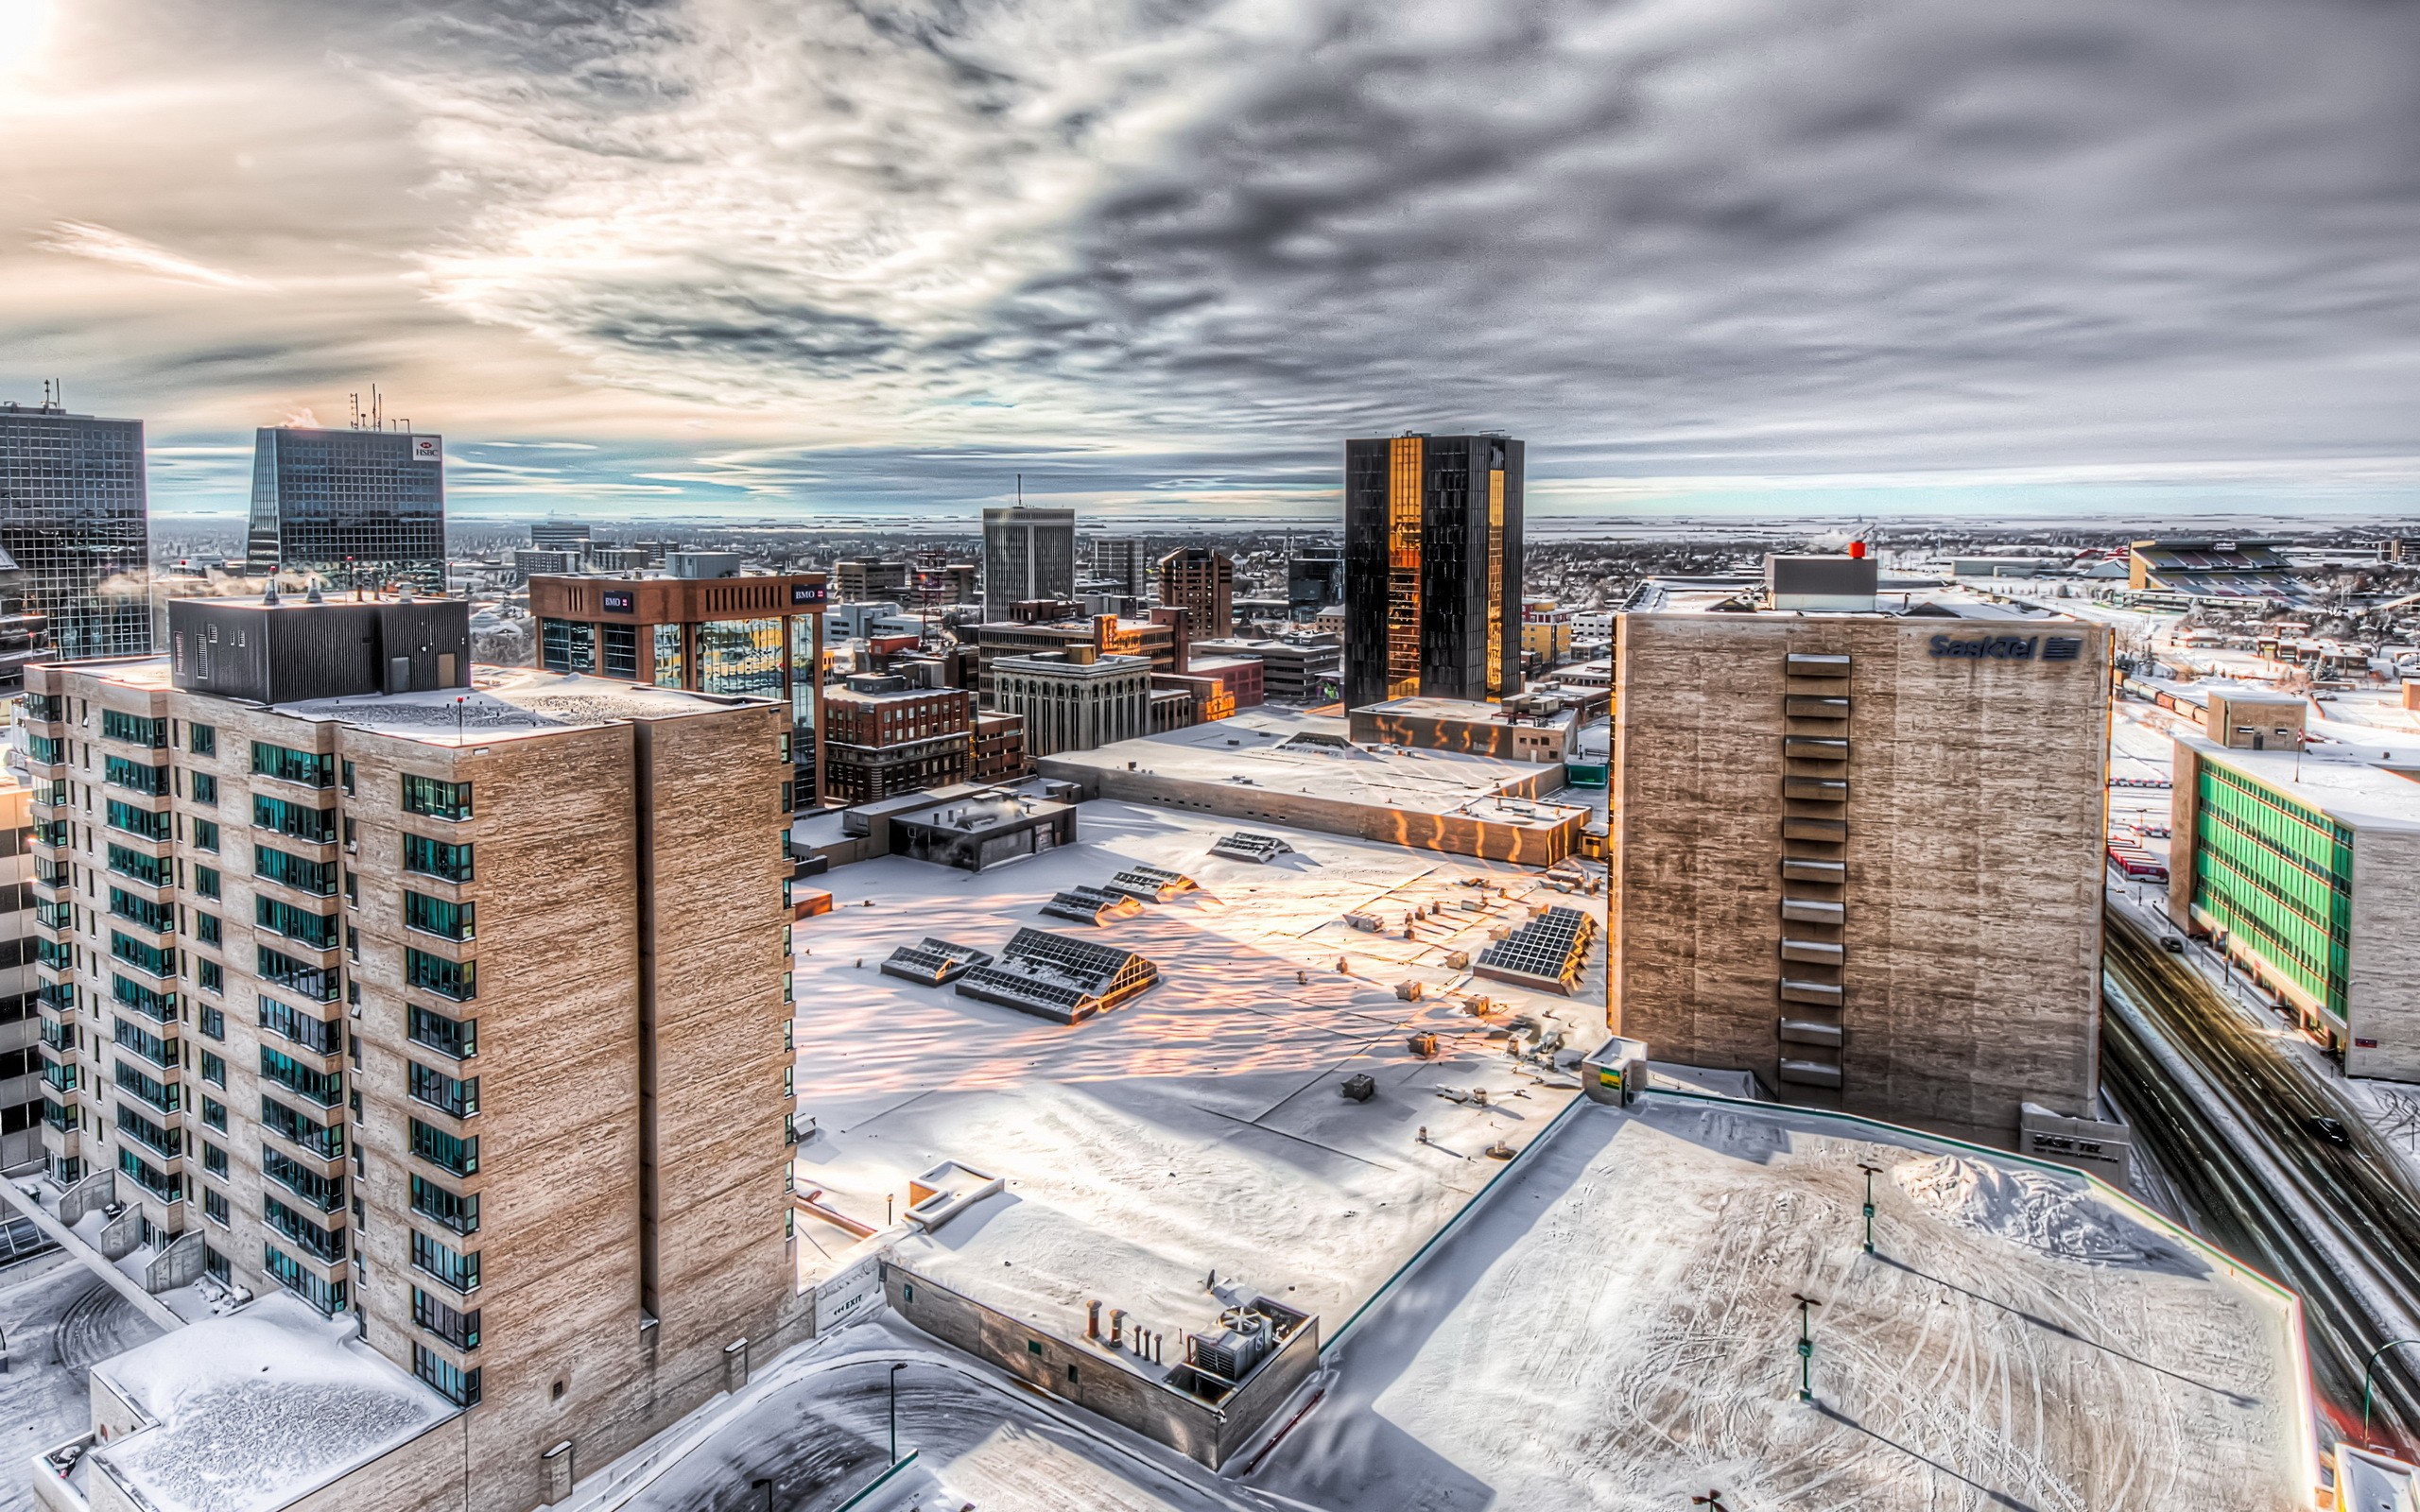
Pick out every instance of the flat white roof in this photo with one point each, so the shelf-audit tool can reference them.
(2337, 783)
(1898, 598)
(506, 703)
(1199, 1126)
(254, 1410)
(1311, 755)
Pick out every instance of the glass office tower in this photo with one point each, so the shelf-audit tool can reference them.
(361, 508)
(74, 514)
(1432, 568)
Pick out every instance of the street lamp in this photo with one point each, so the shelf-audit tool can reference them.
(2369, 1383)
(1871, 1172)
(895, 1410)
(1806, 1345)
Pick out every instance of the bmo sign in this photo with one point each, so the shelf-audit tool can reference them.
(621, 601)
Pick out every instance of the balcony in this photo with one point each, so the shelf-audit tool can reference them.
(325, 1246)
(324, 1145)
(46, 755)
(60, 1076)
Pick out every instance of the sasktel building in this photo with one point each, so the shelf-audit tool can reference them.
(1859, 832)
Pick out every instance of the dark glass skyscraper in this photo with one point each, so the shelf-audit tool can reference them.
(1432, 568)
(358, 508)
(75, 515)
(1028, 554)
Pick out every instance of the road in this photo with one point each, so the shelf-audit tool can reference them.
(2225, 1113)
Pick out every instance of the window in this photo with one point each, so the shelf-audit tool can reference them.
(320, 1034)
(202, 739)
(668, 656)
(149, 1177)
(205, 788)
(214, 1024)
(318, 930)
(436, 799)
(326, 1143)
(322, 1244)
(457, 980)
(149, 870)
(328, 1296)
(452, 1381)
(301, 820)
(205, 835)
(741, 657)
(566, 645)
(326, 1193)
(47, 750)
(309, 768)
(214, 1069)
(119, 772)
(438, 1090)
(451, 1208)
(160, 1006)
(279, 970)
(133, 728)
(157, 918)
(435, 916)
(167, 1142)
(325, 1087)
(452, 1151)
(457, 1038)
(165, 1096)
(458, 1271)
(211, 974)
(162, 1052)
(346, 768)
(214, 1114)
(214, 1159)
(460, 1329)
(621, 645)
(144, 958)
(206, 929)
(205, 880)
(124, 815)
(435, 858)
(315, 877)
(214, 1207)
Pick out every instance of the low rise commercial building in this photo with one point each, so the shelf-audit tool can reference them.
(1523, 728)
(1296, 670)
(350, 955)
(883, 736)
(1075, 699)
(2305, 868)
(999, 753)
(1858, 842)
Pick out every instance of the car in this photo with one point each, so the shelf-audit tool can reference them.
(2172, 944)
(2328, 1129)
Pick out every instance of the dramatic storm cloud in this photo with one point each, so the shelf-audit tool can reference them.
(881, 253)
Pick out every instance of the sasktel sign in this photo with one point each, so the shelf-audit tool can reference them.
(2009, 647)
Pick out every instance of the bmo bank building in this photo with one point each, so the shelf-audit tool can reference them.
(1859, 828)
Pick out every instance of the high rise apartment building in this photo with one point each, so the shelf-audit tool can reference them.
(76, 516)
(1029, 554)
(1432, 568)
(1858, 841)
(461, 1010)
(1203, 580)
(19, 1062)
(357, 507)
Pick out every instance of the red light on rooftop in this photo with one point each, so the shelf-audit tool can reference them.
(1857, 550)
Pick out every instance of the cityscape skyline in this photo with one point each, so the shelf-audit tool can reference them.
(2042, 259)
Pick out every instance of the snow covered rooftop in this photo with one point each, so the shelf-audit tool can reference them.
(1288, 751)
(1616, 1329)
(251, 1411)
(1898, 596)
(504, 703)
(2333, 780)
(1200, 1126)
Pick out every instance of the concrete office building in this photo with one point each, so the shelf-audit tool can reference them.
(1029, 554)
(1123, 562)
(1074, 700)
(883, 738)
(24, 631)
(1293, 670)
(356, 508)
(1858, 842)
(76, 516)
(20, 1063)
(1432, 568)
(2305, 867)
(755, 637)
(859, 579)
(558, 535)
(457, 1008)
(1204, 581)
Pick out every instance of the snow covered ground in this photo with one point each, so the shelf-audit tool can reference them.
(1616, 1329)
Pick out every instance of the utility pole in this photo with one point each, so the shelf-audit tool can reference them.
(1871, 1172)
(1806, 1345)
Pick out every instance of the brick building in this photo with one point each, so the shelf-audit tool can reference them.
(883, 736)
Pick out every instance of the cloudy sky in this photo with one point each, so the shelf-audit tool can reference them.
(653, 258)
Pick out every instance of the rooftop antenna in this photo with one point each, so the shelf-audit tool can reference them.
(1020, 491)
(378, 416)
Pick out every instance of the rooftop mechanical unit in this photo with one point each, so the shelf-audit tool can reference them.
(1245, 845)
(1548, 951)
(1055, 977)
(1091, 906)
(1153, 885)
(1230, 1353)
(932, 962)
